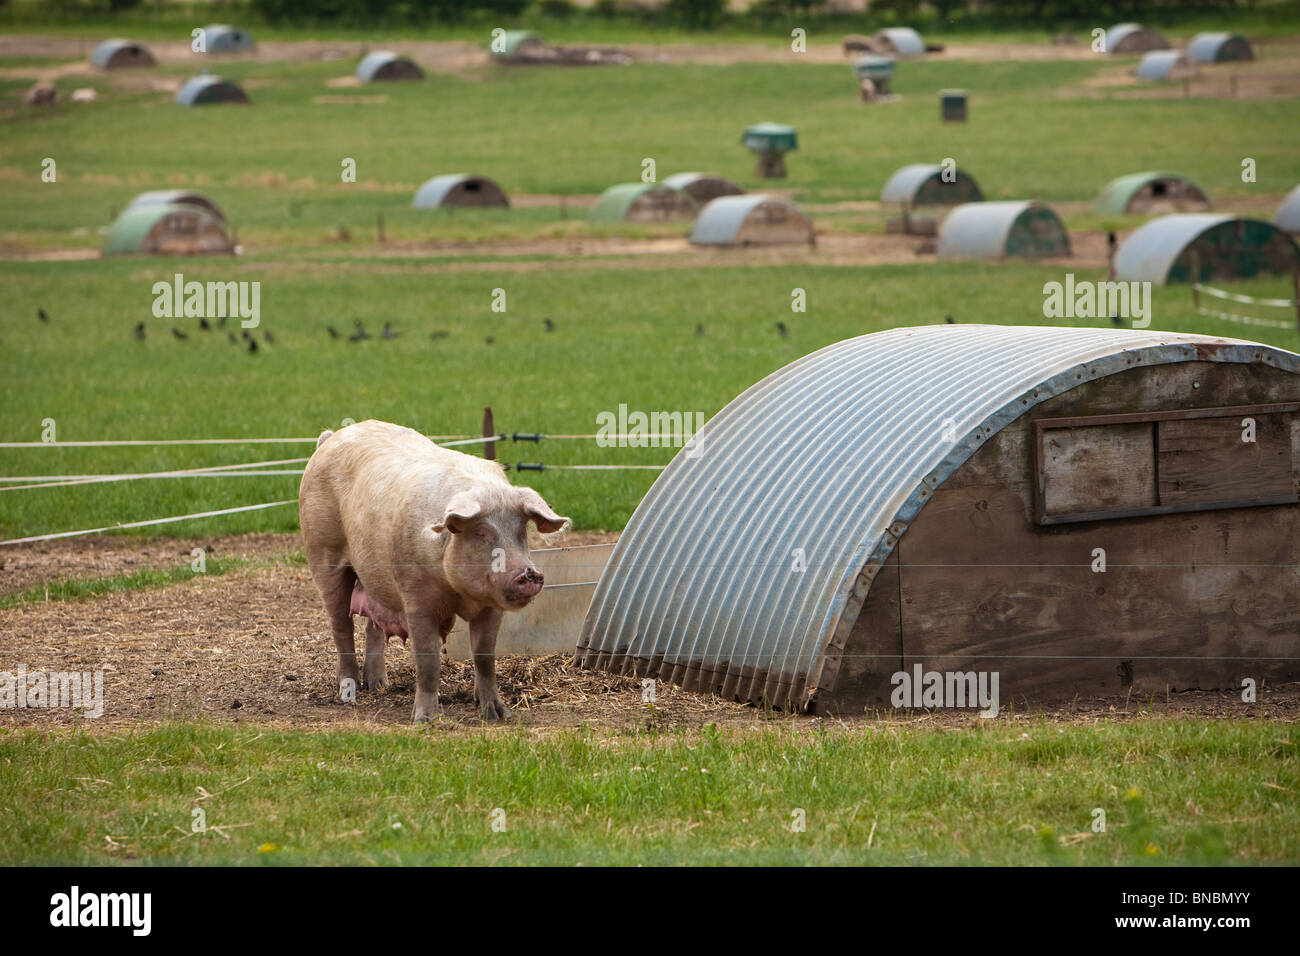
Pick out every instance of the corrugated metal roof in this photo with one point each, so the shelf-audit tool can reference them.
(1157, 64)
(206, 88)
(903, 40)
(614, 202)
(907, 181)
(1116, 194)
(1209, 47)
(1288, 214)
(433, 192)
(183, 197)
(834, 454)
(721, 219)
(372, 63)
(980, 230)
(104, 53)
(223, 38)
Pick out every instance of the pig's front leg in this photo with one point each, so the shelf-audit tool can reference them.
(427, 632)
(375, 673)
(483, 645)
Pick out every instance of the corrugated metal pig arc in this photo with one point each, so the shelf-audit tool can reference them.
(833, 454)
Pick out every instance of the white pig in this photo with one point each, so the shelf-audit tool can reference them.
(411, 535)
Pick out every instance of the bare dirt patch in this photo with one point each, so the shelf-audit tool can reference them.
(253, 646)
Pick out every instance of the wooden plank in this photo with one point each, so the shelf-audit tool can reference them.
(1099, 468)
(1205, 461)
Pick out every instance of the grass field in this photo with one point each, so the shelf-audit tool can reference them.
(632, 328)
(1196, 792)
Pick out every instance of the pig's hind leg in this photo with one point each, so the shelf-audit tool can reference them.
(335, 583)
(427, 633)
(483, 645)
(375, 673)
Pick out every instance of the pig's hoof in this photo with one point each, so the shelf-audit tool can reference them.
(493, 709)
(427, 714)
(377, 684)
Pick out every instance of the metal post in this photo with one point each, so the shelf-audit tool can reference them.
(489, 429)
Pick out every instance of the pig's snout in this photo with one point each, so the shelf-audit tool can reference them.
(526, 586)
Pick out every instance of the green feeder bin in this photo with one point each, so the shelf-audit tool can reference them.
(770, 142)
(952, 106)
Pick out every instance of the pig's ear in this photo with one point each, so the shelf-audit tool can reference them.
(462, 509)
(539, 512)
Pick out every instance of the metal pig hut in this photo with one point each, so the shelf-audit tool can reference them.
(922, 192)
(1167, 65)
(1151, 192)
(168, 229)
(121, 55)
(458, 189)
(204, 90)
(752, 220)
(937, 496)
(703, 187)
(1134, 38)
(223, 38)
(1203, 247)
(183, 197)
(642, 202)
(1288, 214)
(386, 65)
(1219, 48)
(994, 230)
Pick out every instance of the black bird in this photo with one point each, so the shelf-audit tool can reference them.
(270, 339)
(1116, 320)
(439, 334)
(138, 332)
(784, 332)
(699, 329)
(950, 320)
(360, 333)
(221, 322)
(388, 331)
(550, 326)
(489, 340)
(245, 336)
(41, 314)
(203, 324)
(1110, 240)
(252, 345)
(178, 333)
(231, 336)
(334, 333)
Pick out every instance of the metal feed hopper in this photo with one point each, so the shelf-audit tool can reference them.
(1203, 247)
(167, 230)
(386, 65)
(121, 55)
(874, 73)
(900, 41)
(642, 202)
(1151, 192)
(1219, 48)
(933, 497)
(458, 189)
(922, 191)
(993, 230)
(770, 142)
(752, 220)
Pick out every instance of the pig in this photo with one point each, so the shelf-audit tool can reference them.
(410, 535)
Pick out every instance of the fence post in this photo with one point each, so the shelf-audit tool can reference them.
(1295, 295)
(489, 429)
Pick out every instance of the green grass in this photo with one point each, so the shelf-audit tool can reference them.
(67, 589)
(996, 794)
